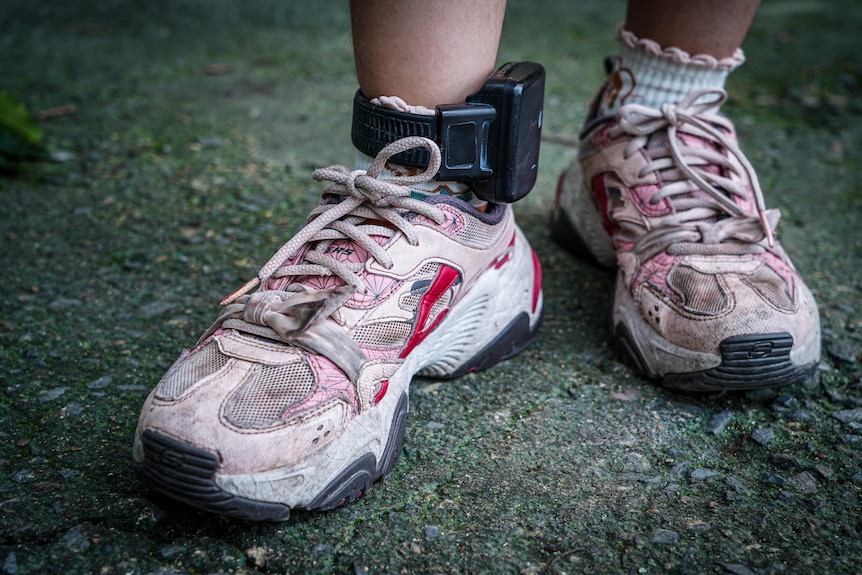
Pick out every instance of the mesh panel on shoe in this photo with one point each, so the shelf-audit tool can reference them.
(771, 286)
(476, 233)
(383, 334)
(261, 401)
(408, 301)
(700, 292)
(439, 305)
(658, 140)
(479, 229)
(661, 139)
(411, 301)
(203, 363)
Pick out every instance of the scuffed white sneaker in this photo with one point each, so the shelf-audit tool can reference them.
(706, 298)
(296, 398)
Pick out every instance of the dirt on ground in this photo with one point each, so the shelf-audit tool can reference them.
(182, 161)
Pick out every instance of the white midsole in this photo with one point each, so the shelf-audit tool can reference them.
(580, 210)
(494, 301)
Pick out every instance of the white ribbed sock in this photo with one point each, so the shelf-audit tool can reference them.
(649, 75)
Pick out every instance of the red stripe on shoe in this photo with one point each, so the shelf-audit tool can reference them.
(601, 195)
(537, 279)
(384, 386)
(446, 278)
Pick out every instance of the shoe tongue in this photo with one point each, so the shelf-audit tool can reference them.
(345, 251)
(661, 139)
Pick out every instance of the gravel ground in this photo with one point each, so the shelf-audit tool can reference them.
(186, 162)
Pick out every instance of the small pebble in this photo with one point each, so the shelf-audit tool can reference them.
(52, 394)
(762, 435)
(699, 527)
(76, 539)
(783, 402)
(848, 415)
(209, 142)
(637, 463)
(843, 351)
(10, 565)
(691, 409)
(62, 303)
(733, 496)
(432, 531)
(735, 483)
(825, 472)
(62, 155)
(718, 422)
(155, 309)
(846, 307)
(171, 551)
(133, 387)
(805, 483)
(701, 473)
(784, 460)
(100, 383)
(680, 469)
(23, 476)
(257, 556)
(800, 416)
(774, 479)
(811, 405)
(665, 537)
(74, 409)
(737, 569)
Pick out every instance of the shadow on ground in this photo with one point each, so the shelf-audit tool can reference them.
(187, 163)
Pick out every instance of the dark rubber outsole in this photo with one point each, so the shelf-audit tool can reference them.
(187, 473)
(747, 362)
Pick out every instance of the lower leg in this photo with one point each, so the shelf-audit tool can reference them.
(426, 53)
(696, 26)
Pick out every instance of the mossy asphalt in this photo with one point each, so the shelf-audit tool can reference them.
(186, 162)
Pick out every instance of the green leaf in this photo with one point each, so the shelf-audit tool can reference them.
(15, 119)
(15, 150)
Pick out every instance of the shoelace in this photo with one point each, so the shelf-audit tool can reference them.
(365, 197)
(698, 219)
(303, 316)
